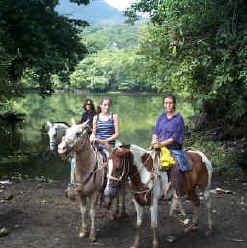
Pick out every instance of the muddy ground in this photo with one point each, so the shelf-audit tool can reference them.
(39, 215)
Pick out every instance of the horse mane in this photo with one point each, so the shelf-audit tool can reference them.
(125, 146)
(61, 122)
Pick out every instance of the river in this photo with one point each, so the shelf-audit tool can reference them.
(137, 115)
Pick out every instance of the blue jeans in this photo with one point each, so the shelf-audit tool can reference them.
(72, 169)
(181, 158)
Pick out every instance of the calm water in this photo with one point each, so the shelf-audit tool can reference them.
(137, 114)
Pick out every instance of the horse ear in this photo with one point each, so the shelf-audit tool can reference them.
(73, 121)
(84, 124)
(122, 152)
(48, 124)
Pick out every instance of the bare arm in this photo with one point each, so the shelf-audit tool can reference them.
(158, 144)
(93, 135)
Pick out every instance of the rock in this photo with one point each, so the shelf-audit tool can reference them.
(223, 191)
(171, 238)
(3, 232)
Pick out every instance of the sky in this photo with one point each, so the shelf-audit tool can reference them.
(120, 4)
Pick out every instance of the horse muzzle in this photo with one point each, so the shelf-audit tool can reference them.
(62, 148)
(109, 194)
(53, 147)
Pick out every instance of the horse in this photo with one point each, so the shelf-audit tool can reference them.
(56, 132)
(89, 173)
(148, 183)
(199, 176)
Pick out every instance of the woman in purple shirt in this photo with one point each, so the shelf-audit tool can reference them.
(169, 132)
(169, 129)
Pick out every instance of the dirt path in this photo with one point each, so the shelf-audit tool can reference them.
(40, 216)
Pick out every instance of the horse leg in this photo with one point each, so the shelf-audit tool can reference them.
(83, 208)
(154, 222)
(123, 195)
(139, 214)
(176, 202)
(207, 199)
(196, 208)
(93, 200)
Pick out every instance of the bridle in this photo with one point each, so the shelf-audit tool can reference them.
(125, 165)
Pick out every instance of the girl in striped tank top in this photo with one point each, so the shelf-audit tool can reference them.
(105, 126)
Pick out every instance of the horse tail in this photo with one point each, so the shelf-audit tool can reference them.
(209, 167)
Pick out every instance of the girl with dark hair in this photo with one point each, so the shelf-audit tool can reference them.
(105, 126)
(88, 114)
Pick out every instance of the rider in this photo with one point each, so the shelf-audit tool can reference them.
(105, 126)
(87, 115)
(169, 132)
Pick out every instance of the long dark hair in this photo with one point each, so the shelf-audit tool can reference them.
(102, 99)
(91, 102)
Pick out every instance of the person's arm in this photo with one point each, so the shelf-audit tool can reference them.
(93, 135)
(178, 135)
(166, 142)
(155, 138)
(116, 126)
(83, 119)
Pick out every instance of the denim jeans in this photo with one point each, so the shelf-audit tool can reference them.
(72, 170)
(181, 158)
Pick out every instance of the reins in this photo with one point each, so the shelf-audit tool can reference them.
(80, 143)
(124, 174)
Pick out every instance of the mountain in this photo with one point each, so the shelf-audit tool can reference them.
(98, 12)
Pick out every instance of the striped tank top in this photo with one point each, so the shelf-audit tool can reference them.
(104, 130)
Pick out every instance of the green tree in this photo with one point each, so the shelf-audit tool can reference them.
(199, 48)
(34, 37)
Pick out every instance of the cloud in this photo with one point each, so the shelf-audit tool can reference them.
(120, 4)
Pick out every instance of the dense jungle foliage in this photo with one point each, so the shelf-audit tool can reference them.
(199, 47)
(194, 48)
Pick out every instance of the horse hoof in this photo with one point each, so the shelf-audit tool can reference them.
(191, 228)
(92, 239)
(82, 234)
(208, 232)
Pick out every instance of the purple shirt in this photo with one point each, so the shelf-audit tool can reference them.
(170, 128)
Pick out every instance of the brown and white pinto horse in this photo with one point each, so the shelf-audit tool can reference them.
(89, 173)
(199, 177)
(148, 183)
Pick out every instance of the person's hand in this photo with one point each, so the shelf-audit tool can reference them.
(99, 141)
(154, 140)
(92, 138)
(156, 145)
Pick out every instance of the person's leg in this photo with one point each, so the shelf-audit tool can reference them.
(72, 170)
(106, 154)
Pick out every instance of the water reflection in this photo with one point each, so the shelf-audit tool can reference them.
(137, 114)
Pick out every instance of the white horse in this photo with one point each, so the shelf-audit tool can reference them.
(90, 172)
(56, 132)
(148, 183)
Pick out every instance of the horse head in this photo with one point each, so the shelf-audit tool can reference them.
(118, 171)
(52, 133)
(74, 136)
(55, 133)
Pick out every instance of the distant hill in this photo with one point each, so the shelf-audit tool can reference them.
(98, 12)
